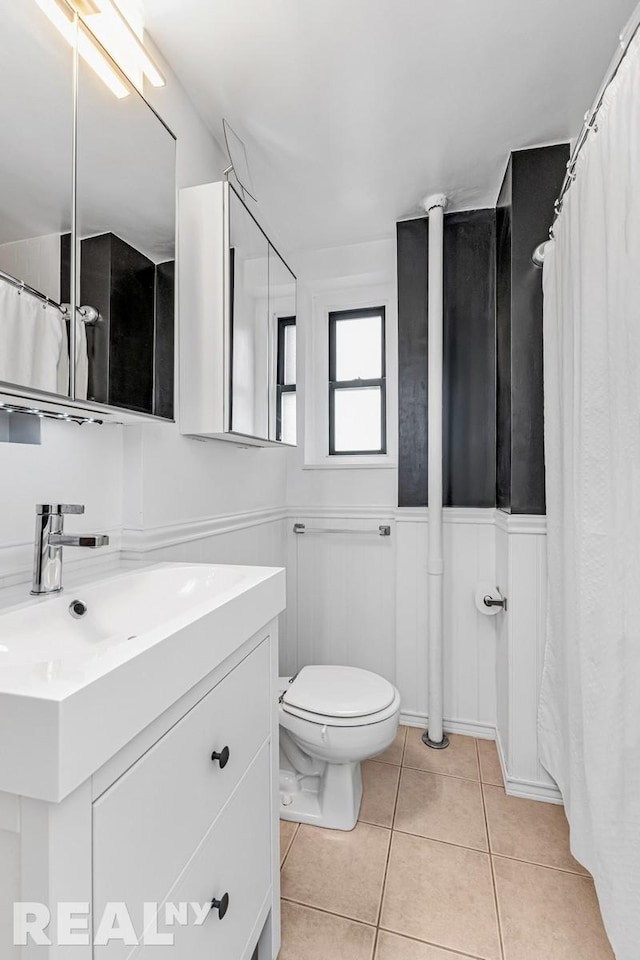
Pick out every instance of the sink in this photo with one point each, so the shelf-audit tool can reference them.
(119, 610)
(73, 691)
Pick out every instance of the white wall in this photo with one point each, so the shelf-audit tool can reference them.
(74, 464)
(334, 278)
(177, 478)
(36, 261)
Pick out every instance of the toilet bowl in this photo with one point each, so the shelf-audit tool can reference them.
(331, 718)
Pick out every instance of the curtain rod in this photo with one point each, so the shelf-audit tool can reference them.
(88, 314)
(626, 38)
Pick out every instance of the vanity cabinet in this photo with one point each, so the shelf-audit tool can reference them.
(234, 292)
(141, 846)
(185, 814)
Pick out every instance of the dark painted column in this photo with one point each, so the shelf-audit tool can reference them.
(469, 454)
(120, 282)
(163, 373)
(413, 245)
(524, 214)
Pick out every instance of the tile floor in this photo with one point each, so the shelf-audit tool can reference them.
(442, 865)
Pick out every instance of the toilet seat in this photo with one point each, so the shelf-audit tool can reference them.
(340, 696)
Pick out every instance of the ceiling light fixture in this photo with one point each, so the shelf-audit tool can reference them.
(113, 32)
(116, 34)
(62, 17)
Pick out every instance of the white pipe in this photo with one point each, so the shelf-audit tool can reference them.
(434, 207)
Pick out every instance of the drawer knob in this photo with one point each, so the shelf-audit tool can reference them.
(221, 906)
(222, 757)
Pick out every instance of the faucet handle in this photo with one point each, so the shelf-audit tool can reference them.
(58, 509)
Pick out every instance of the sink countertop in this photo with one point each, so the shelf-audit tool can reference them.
(75, 691)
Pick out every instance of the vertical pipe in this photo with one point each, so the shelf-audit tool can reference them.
(434, 736)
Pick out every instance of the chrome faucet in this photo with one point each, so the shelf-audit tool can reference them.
(50, 539)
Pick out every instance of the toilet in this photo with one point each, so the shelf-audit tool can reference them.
(331, 718)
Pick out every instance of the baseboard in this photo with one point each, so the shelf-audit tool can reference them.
(468, 728)
(526, 789)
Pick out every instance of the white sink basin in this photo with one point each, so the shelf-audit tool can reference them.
(119, 610)
(74, 691)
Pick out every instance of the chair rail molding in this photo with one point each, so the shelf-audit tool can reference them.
(141, 540)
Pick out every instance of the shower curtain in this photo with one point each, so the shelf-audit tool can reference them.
(34, 350)
(589, 716)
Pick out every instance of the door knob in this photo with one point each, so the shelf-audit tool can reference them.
(221, 906)
(222, 757)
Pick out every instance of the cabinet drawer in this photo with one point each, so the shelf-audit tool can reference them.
(149, 823)
(234, 859)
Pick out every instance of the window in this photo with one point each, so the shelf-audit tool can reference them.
(286, 381)
(357, 382)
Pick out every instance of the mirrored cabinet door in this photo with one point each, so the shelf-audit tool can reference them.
(238, 324)
(249, 313)
(282, 334)
(36, 173)
(125, 254)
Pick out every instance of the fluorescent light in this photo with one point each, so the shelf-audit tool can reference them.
(127, 41)
(59, 18)
(112, 28)
(94, 57)
(63, 19)
(113, 32)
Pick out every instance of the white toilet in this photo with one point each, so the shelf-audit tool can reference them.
(331, 718)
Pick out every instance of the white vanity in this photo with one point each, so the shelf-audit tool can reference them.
(139, 765)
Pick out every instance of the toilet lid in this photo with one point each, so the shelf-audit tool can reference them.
(339, 692)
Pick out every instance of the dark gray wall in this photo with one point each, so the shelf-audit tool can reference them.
(120, 281)
(469, 454)
(524, 214)
(493, 377)
(131, 351)
(503, 343)
(412, 240)
(163, 374)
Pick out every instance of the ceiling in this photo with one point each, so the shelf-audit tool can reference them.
(353, 110)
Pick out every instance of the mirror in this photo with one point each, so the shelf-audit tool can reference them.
(36, 164)
(282, 328)
(122, 281)
(262, 306)
(238, 327)
(249, 315)
(125, 250)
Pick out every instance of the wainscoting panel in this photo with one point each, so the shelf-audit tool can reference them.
(361, 600)
(346, 593)
(522, 566)
(257, 538)
(469, 642)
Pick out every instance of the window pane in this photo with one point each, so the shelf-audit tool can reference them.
(290, 353)
(288, 422)
(359, 348)
(358, 419)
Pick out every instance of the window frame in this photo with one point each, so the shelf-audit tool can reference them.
(282, 387)
(335, 316)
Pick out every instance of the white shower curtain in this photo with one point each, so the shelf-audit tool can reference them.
(34, 350)
(589, 717)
